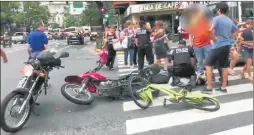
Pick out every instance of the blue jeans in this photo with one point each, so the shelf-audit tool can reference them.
(126, 54)
(34, 55)
(201, 54)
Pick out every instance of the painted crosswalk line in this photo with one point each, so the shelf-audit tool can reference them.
(123, 70)
(184, 117)
(130, 105)
(245, 130)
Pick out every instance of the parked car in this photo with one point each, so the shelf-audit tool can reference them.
(19, 37)
(75, 37)
(93, 35)
(49, 36)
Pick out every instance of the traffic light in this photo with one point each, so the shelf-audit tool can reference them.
(103, 10)
(67, 5)
(106, 15)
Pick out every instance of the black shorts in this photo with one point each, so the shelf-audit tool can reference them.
(219, 56)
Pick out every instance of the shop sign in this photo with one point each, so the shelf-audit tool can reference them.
(158, 6)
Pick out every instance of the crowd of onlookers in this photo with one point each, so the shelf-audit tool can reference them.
(216, 41)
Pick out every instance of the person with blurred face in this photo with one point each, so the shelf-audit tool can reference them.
(37, 41)
(3, 54)
(129, 32)
(224, 28)
(112, 38)
(200, 36)
(247, 49)
(160, 48)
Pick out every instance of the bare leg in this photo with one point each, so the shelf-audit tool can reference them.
(209, 74)
(224, 77)
(165, 63)
(248, 69)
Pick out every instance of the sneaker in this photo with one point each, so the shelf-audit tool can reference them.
(132, 66)
(207, 90)
(222, 89)
(232, 72)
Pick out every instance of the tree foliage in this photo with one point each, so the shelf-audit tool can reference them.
(32, 11)
(91, 14)
(69, 20)
(9, 11)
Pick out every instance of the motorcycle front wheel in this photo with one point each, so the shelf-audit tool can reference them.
(76, 97)
(18, 98)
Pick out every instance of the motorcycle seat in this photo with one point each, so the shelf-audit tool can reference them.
(118, 78)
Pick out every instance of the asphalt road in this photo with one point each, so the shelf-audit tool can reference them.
(104, 117)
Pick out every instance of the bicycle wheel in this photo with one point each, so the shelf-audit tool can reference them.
(211, 103)
(136, 83)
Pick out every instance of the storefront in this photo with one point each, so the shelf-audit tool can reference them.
(168, 12)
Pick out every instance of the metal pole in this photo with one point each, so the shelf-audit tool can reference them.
(253, 37)
(239, 5)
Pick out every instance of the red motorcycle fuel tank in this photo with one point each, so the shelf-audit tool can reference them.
(93, 75)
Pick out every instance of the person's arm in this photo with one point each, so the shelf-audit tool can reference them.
(214, 23)
(29, 49)
(192, 55)
(122, 34)
(3, 55)
(45, 40)
(247, 43)
(235, 31)
(117, 38)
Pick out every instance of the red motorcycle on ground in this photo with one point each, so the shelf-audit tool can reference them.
(82, 87)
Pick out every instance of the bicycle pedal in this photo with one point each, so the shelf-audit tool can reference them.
(37, 104)
(173, 100)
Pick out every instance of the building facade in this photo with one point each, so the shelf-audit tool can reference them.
(56, 10)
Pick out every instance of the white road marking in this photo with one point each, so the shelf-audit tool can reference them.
(64, 48)
(184, 117)
(246, 130)
(130, 105)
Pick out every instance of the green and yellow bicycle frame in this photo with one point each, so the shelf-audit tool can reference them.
(194, 97)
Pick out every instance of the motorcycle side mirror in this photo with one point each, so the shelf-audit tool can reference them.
(64, 55)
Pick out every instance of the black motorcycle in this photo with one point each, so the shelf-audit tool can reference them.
(24, 97)
(6, 42)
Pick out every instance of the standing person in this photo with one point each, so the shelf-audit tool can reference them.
(3, 54)
(112, 38)
(144, 46)
(37, 41)
(136, 27)
(224, 29)
(247, 49)
(160, 48)
(200, 36)
(130, 50)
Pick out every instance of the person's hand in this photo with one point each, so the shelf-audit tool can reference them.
(5, 59)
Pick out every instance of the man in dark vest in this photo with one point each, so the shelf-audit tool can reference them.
(182, 61)
(144, 45)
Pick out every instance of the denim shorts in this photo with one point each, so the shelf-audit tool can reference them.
(247, 53)
(34, 55)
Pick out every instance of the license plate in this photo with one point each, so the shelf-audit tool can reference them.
(21, 82)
